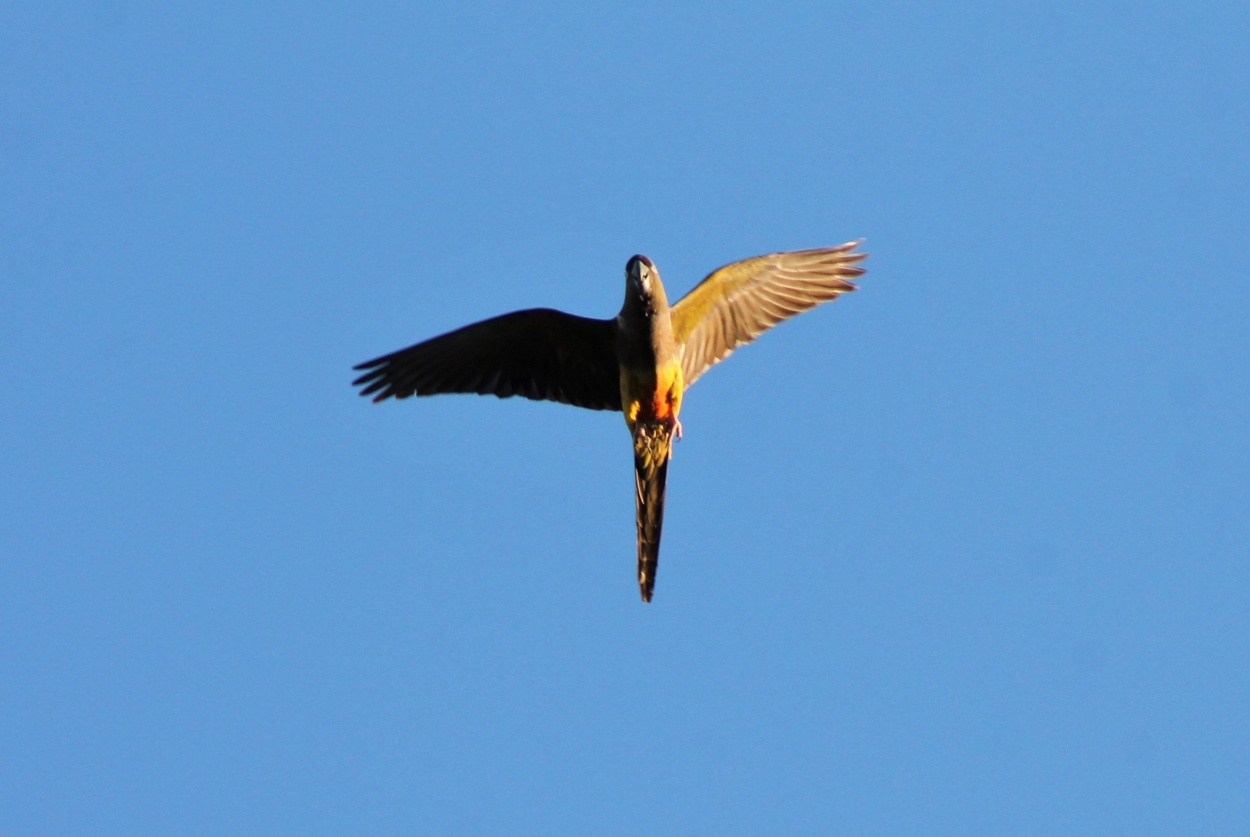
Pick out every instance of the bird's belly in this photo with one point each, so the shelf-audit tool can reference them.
(654, 397)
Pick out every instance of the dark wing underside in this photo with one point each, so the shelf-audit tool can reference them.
(740, 301)
(541, 354)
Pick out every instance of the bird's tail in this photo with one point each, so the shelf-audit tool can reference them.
(653, 444)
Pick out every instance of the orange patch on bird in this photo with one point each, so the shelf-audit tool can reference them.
(660, 400)
(668, 391)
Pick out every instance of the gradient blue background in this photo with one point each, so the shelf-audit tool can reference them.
(966, 552)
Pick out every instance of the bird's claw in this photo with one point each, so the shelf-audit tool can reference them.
(676, 436)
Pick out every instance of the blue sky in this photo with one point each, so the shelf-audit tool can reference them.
(965, 552)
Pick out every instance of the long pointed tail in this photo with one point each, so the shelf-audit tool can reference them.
(653, 444)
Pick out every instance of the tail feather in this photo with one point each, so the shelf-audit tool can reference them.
(653, 444)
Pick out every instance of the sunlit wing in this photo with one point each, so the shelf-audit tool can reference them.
(740, 301)
(541, 354)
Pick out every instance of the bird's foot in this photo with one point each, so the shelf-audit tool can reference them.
(677, 435)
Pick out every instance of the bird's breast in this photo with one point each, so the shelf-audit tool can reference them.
(652, 394)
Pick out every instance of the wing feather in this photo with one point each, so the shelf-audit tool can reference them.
(541, 354)
(737, 303)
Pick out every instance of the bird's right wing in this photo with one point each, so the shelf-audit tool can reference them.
(740, 301)
(541, 354)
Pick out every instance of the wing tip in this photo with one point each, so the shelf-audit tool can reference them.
(848, 261)
(375, 380)
(838, 260)
(849, 249)
(370, 364)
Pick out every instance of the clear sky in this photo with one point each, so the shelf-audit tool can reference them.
(966, 552)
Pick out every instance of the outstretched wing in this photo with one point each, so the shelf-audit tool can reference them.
(541, 354)
(740, 301)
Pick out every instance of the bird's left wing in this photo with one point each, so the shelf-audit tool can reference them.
(740, 301)
(541, 354)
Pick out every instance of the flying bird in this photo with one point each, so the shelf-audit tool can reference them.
(639, 363)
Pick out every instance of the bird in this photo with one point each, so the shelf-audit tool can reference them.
(639, 363)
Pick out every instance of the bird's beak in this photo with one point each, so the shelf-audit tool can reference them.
(641, 274)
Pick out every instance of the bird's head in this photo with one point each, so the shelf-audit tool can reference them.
(642, 283)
